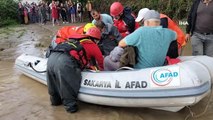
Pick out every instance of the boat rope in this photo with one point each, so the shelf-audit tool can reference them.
(125, 68)
(30, 65)
(193, 115)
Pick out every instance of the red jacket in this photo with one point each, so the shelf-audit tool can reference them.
(123, 28)
(92, 50)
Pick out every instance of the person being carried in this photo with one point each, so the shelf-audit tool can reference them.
(66, 32)
(97, 16)
(151, 41)
(120, 57)
(109, 37)
(124, 20)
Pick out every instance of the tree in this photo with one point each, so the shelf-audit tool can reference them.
(8, 11)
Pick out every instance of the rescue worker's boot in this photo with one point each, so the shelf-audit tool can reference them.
(55, 101)
(71, 108)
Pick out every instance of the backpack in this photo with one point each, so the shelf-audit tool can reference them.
(74, 49)
(68, 39)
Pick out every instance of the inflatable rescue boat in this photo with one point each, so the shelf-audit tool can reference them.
(168, 88)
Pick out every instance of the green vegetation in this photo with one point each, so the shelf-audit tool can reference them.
(8, 12)
(176, 9)
(6, 31)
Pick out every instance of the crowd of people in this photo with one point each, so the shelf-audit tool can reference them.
(150, 39)
(66, 12)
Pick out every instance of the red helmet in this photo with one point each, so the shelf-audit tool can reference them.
(94, 32)
(116, 8)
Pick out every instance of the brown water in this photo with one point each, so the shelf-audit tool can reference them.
(22, 98)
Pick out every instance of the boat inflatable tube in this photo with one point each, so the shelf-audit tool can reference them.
(168, 88)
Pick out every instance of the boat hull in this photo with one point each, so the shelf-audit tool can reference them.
(168, 88)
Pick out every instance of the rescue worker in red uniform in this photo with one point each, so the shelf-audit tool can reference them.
(80, 32)
(64, 70)
(124, 20)
(93, 52)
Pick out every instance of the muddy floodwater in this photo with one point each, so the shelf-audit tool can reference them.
(22, 98)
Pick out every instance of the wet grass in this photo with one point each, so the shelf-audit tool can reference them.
(21, 33)
(39, 45)
(11, 30)
(6, 30)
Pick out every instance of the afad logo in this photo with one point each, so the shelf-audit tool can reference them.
(163, 77)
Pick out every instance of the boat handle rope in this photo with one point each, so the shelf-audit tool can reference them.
(193, 115)
(125, 68)
(30, 65)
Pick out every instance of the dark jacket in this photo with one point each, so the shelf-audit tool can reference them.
(129, 19)
(192, 17)
(109, 39)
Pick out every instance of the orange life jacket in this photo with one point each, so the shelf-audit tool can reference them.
(67, 32)
(173, 26)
